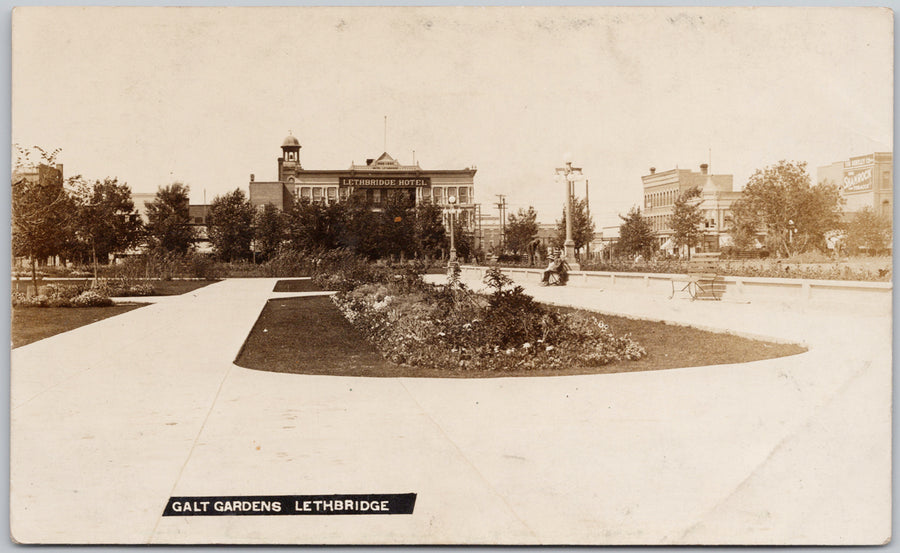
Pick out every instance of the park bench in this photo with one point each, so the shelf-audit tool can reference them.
(702, 280)
(560, 276)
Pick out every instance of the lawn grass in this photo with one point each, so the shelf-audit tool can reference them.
(305, 285)
(310, 336)
(30, 324)
(160, 287)
(671, 346)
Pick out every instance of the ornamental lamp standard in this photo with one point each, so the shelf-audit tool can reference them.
(452, 201)
(569, 176)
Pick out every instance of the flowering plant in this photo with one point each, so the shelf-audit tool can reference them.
(453, 328)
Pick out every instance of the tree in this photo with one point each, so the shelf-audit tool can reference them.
(521, 229)
(40, 207)
(795, 214)
(582, 226)
(686, 219)
(869, 231)
(428, 230)
(462, 241)
(231, 225)
(635, 235)
(396, 228)
(269, 230)
(313, 226)
(106, 221)
(357, 228)
(169, 219)
(742, 226)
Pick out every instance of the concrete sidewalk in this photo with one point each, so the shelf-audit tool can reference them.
(111, 419)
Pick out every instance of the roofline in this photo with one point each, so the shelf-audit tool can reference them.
(384, 172)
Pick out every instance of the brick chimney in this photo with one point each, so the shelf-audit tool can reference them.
(704, 168)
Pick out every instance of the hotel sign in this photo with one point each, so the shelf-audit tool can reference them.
(385, 182)
(858, 174)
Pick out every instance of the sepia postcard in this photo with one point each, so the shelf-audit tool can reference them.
(451, 275)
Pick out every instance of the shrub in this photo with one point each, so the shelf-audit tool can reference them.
(288, 263)
(162, 265)
(798, 267)
(120, 287)
(58, 302)
(62, 291)
(22, 300)
(91, 298)
(51, 295)
(199, 265)
(453, 328)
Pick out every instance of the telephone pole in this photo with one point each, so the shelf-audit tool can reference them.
(501, 205)
(587, 205)
(479, 235)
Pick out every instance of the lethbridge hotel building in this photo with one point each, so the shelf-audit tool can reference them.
(374, 182)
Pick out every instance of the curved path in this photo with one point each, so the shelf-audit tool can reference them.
(111, 419)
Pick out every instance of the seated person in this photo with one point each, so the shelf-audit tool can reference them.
(554, 267)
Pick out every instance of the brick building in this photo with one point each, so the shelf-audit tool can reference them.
(865, 181)
(717, 194)
(374, 182)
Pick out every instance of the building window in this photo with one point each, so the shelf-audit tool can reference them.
(317, 194)
(438, 195)
(304, 193)
(332, 194)
(452, 192)
(376, 196)
(344, 193)
(463, 195)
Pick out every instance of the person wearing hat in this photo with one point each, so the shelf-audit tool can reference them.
(552, 267)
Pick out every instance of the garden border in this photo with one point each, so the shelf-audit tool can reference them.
(846, 294)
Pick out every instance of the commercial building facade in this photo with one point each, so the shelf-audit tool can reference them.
(662, 189)
(864, 181)
(377, 182)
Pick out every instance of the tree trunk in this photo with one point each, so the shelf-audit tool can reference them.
(94, 256)
(34, 275)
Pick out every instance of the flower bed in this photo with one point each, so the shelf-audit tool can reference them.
(62, 295)
(121, 288)
(451, 327)
(768, 268)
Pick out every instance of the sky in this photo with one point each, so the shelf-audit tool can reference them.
(205, 96)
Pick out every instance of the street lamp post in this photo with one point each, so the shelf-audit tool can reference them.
(791, 230)
(452, 201)
(569, 176)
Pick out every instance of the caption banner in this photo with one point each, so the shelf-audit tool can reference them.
(244, 505)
